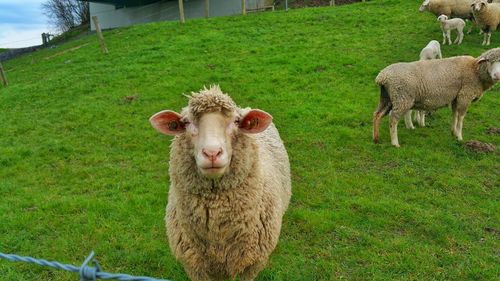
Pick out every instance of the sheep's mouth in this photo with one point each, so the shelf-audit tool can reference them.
(213, 171)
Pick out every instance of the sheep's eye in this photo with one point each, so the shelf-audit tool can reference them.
(237, 121)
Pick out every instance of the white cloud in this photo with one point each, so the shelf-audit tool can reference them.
(21, 23)
(17, 36)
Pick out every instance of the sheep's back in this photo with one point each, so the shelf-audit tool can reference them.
(430, 84)
(489, 18)
(458, 8)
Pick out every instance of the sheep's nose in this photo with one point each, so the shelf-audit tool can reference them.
(497, 75)
(212, 154)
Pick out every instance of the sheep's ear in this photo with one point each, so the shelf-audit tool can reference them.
(168, 122)
(481, 60)
(255, 121)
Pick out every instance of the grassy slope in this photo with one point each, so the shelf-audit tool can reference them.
(80, 168)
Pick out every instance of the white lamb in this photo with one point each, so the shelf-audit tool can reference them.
(447, 25)
(429, 52)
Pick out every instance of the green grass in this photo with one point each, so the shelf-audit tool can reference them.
(81, 168)
(3, 50)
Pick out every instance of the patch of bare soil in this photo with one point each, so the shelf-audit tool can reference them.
(478, 146)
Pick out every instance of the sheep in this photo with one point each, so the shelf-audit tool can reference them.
(450, 8)
(431, 51)
(447, 25)
(230, 186)
(431, 84)
(487, 16)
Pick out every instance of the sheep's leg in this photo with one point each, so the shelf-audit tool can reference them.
(448, 34)
(440, 55)
(382, 109)
(489, 37)
(421, 120)
(460, 36)
(484, 40)
(408, 121)
(393, 127)
(444, 37)
(460, 123)
(455, 118)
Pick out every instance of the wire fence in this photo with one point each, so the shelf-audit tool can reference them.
(86, 272)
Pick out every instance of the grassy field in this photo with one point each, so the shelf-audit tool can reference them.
(81, 168)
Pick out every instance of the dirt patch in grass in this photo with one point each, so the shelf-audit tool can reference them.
(478, 146)
(129, 99)
(493, 131)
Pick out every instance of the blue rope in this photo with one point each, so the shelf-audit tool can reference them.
(87, 273)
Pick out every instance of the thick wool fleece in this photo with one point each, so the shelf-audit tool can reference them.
(222, 228)
(488, 19)
(210, 100)
(431, 84)
(451, 8)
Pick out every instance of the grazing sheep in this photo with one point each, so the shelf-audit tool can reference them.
(431, 51)
(447, 25)
(230, 186)
(450, 8)
(431, 84)
(487, 16)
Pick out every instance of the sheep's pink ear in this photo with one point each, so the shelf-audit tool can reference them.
(481, 60)
(168, 122)
(255, 121)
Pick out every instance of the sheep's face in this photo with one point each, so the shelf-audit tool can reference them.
(490, 62)
(493, 70)
(211, 134)
(479, 5)
(442, 18)
(424, 6)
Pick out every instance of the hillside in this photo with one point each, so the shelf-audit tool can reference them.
(81, 168)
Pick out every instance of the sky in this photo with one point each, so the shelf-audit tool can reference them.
(22, 23)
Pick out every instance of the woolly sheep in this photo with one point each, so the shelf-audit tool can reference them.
(431, 51)
(487, 16)
(431, 84)
(230, 186)
(450, 8)
(447, 25)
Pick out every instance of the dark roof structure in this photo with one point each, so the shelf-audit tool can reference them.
(124, 3)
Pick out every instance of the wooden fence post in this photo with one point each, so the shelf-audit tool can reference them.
(181, 11)
(99, 35)
(4, 78)
(243, 7)
(332, 2)
(207, 8)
